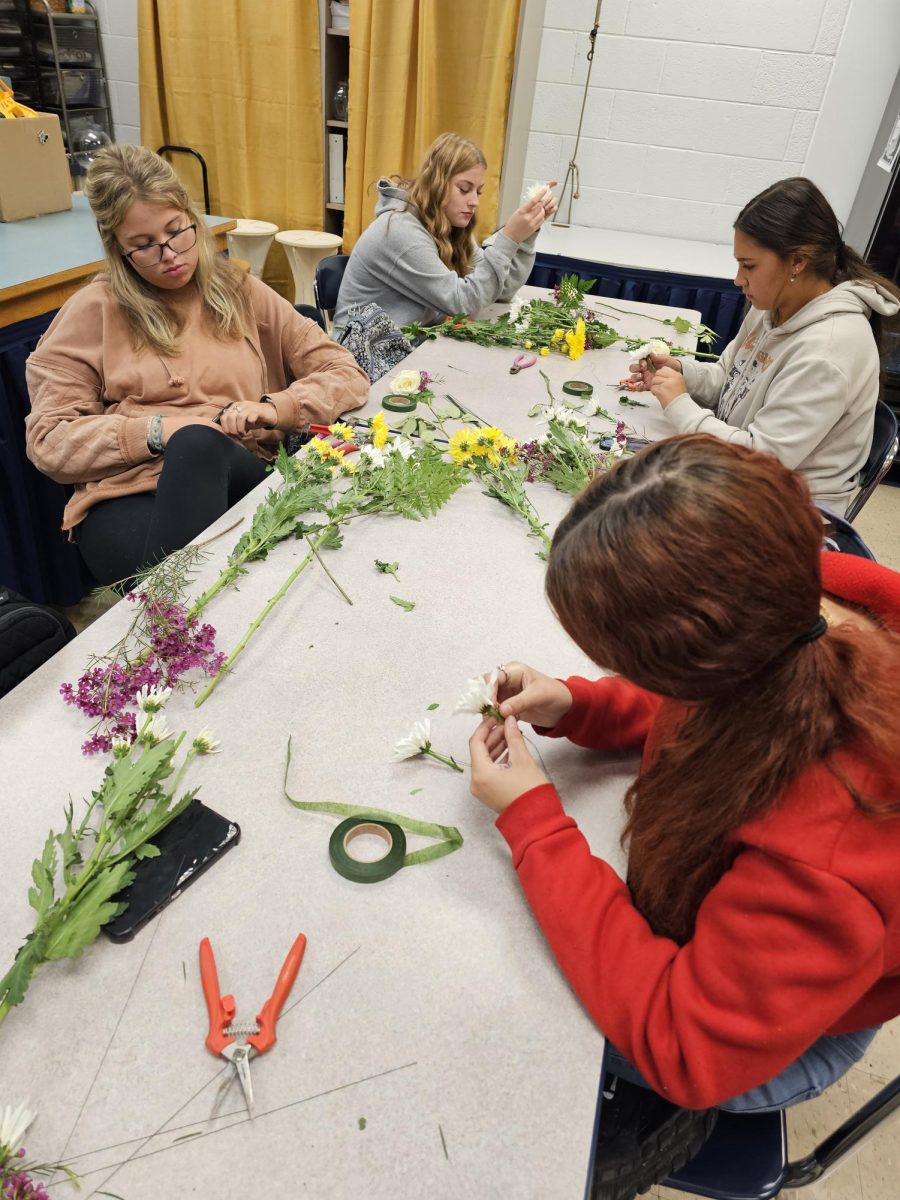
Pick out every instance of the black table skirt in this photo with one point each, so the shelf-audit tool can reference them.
(36, 558)
(720, 303)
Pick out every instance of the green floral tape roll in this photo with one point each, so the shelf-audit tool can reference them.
(394, 403)
(577, 387)
(358, 870)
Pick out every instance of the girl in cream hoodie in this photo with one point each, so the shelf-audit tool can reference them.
(801, 379)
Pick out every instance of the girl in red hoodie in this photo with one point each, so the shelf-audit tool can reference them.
(755, 947)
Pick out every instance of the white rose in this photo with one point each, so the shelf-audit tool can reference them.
(407, 383)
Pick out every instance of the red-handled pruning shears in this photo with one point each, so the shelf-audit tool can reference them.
(521, 363)
(240, 1043)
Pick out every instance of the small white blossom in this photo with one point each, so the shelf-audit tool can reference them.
(654, 346)
(536, 190)
(120, 747)
(480, 695)
(371, 456)
(151, 699)
(14, 1123)
(564, 416)
(403, 447)
(153, 732)
(417, 741)
(206, 743)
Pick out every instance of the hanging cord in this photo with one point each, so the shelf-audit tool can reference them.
(572, 173)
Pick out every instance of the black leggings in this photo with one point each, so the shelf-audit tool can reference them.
(203, 474)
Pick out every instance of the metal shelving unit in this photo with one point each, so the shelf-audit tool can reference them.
(71, 71)
(335, 70)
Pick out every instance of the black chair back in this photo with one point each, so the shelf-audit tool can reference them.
(313, 314)
(881, 455)
(329, 274)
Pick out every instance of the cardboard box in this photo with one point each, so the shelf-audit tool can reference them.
(34, 170)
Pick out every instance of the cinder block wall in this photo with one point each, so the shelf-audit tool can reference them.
(118, 25)
(694, 106)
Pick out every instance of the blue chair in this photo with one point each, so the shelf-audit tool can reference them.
(838, 534)
(747, 1156)
(881, 455)
(313, 313)
(327, 283)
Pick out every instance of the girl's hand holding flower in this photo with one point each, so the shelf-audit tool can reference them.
(643, 371)
(528, 695)
(495, 784)
(666, 384)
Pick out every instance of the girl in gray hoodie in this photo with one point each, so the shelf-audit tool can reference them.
(802, 377)
(419, 261)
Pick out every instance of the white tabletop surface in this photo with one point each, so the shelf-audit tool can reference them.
(428, 1004)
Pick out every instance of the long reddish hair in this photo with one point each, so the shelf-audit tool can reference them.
(692, 569)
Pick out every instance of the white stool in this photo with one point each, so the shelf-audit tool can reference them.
(305, 249)
(251, 240)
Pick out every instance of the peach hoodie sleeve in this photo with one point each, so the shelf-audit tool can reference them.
(69, 435)
(325, 380)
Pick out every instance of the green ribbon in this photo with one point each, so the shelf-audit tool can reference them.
(452, 839)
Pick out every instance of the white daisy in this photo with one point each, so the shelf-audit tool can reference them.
(417, 741)
(151, 699)
(206, 743)
(13, 1125)
(480, 695)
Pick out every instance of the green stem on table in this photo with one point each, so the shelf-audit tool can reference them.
(321, 562)
(241, 646)
(448, 762)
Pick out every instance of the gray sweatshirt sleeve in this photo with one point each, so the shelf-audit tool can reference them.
(419, 273)
(803, 403)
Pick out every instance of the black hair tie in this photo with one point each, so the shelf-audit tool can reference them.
(813, 634)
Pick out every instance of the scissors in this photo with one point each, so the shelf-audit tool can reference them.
(322, 432)
(239, 1043)
(521, 363)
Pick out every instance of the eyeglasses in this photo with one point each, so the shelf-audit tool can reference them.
(149, 256)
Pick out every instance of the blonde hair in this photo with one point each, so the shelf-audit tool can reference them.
(122, 174)
(448, 155)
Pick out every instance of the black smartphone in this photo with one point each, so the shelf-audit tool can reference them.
(187, 846)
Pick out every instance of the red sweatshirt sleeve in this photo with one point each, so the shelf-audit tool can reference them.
(606, 714)
(780, 951)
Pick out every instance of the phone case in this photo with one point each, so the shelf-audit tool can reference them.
(187, 847)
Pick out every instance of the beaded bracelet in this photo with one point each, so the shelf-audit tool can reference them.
(155, 443)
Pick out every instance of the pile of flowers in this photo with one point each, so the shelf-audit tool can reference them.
(171, 643)
(567, 325)
(569, 455)
(414, 383)
(484, 445)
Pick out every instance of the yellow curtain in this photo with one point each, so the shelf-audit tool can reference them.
(240, 83)
(419, 68)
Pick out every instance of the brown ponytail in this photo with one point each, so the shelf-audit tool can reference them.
(692, 569)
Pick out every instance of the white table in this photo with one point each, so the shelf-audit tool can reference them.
(428, 1004)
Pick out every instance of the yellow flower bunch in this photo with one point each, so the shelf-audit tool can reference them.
(379, 427)
(341, 430)
(557, 337)
(325, 450)
(469, 445)
(575, 340)
(545, 350)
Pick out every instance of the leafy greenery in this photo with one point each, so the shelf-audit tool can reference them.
(542, 325)
(387, 568)
(406, 605)
(83, 868)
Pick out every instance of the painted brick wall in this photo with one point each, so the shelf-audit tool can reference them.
(693, 107)
(118, 25)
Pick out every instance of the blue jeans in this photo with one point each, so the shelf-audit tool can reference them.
(818, 1068)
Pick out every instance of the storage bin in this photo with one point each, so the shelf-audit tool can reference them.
(340, 14)
(80, 87)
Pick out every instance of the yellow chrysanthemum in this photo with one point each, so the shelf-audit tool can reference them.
(348, 468)
(575, 340)
(545, 350)
(320, 447)
(557, 337)
(379, 427)
(528, 344)
(509, 450)
(462, 445)
(564, 349)
(341, 430)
